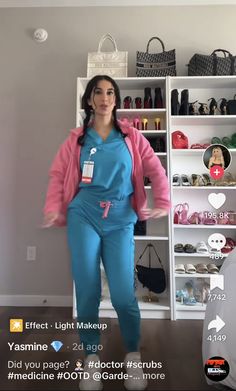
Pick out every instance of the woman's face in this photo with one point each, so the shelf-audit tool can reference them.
(216, 153)
(103, 98)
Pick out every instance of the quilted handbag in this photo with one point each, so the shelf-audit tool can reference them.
(179, 140)
(114, 64)
(153, 278)
(155, 64)
(213, 65)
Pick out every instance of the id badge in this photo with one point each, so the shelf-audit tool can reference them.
(87, 174)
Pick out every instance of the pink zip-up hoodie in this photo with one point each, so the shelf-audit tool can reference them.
(65, 174)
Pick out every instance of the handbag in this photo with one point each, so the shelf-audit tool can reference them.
(152, 278)
(155, 64)
(157, 143)
(179, 140)
(213, 65)
(140, 228)
(231, 106)
(114, 64)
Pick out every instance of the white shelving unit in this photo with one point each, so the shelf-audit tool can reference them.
(158, 231)
(163, 232)
(199, 129)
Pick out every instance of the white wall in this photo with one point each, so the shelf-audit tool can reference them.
(38, 100)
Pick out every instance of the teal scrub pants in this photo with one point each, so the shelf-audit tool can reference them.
(98, 231)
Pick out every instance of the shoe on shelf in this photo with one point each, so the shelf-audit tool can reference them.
(216, 140)
(179, 268)
(184, 105)
(212, 268)
(176, 180)
(189, 248)
(233, 140)
(197, 180)
(90, 383)
(190, 268)
(185, 180)
(206, 180)
(226, 141)
(181, 213)
(174, 102)
(179, 248)
(201, 248)
(136, 379)
(201, 268)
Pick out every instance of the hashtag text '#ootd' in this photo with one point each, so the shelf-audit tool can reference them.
(96, 188)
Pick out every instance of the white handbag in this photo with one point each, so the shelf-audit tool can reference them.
(113, 64)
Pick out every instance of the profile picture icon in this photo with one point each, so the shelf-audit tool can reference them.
(79, 365)
(217, 155)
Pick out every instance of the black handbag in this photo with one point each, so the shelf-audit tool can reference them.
(140, 228)
(213, 65)
(231, 106)
(152, 278)
(157, 143)
(155, 64)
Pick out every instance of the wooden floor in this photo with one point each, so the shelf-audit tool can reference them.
(176, 344)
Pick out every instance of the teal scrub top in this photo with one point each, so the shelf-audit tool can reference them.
(112, 166)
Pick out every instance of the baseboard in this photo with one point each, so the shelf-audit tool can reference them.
(35, 301)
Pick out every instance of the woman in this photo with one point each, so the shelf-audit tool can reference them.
(216, 158)
(101, 202)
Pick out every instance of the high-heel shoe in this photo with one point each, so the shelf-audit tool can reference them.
(213, 106)
(138, 102)
(203, 109)
(184, 106)
(127, 102)
(193, 108)
(223, 106)
(181, 213)
(136, 122)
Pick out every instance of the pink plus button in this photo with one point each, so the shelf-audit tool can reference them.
(216, 172)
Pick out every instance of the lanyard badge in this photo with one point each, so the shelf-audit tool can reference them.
(88, 167)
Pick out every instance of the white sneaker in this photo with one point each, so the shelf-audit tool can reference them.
(136, 379)
(90, 383)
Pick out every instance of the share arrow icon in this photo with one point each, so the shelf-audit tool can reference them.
(217, 324)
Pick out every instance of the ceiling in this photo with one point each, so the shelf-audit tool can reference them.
(110, 3)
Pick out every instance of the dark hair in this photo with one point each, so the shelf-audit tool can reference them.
(88, 109)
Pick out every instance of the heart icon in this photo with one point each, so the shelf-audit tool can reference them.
(216, 199)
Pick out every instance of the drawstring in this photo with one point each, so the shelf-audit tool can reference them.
(106, 205)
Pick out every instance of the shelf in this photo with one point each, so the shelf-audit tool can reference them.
(160, 153)
(133, 112)
(162, 305)
(195, 255)
(195, 275)
(148, 237)
(204, 226)
(141, 111)
(183, 120)
(133, 83)
(203, 82)
(153, 132)
(190, 151)
(196, 307)
(204, 187)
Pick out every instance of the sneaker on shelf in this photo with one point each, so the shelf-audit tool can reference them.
(91, 383)
(133, 366)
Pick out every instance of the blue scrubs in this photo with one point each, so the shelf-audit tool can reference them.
(100, 226)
